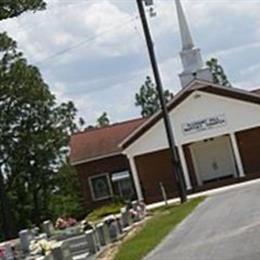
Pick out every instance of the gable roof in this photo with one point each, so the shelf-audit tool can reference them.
(256, 91)
(97, 143)
(196, 85)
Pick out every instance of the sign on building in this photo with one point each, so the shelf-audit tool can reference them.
(204, 124)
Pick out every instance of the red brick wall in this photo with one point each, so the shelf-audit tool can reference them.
(109, 165)
(249, 146)
(154, 168)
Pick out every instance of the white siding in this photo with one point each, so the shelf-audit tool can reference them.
(199, 105)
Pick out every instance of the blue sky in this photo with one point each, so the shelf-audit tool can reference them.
(93, 51)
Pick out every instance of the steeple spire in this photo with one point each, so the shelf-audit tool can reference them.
(193, 67)
(187, 42)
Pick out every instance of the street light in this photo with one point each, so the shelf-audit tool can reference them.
(173, 149)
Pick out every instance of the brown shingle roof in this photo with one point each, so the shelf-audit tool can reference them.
(256, 91)
(100, 142)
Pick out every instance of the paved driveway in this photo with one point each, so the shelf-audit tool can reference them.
(224, 227)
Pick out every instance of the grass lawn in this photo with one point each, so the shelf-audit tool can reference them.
(162, 222)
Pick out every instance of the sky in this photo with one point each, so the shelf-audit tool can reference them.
(93, 52)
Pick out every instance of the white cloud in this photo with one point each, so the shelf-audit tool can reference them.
(105, 58)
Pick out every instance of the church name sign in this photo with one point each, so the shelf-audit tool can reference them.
(204, 124)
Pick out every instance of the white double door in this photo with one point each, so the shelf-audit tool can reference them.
(213, 159)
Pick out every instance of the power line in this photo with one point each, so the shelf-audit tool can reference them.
(78, 45)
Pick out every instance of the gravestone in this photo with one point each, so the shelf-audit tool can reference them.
(61, 251)
(113, 230)
(126, 219)
(35, 231)
(8, 252)
(143, 208)
(25, 239)
(102, 233)
(47, 227)
(119, 223)
(42, 236)
(92, 242)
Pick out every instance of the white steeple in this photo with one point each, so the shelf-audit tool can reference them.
(193, 67)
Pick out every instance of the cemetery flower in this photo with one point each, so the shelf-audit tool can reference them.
(65, 222)
(41, 247)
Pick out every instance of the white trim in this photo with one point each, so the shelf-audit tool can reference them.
(184, 168)
(136, 179)
(195, 166)
(237, 155)
(91, 187)
(196, 85)
(95, 158)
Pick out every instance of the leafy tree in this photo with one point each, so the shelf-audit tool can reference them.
(9, 9)
(66, 198)
(219, 75)
(13, 8)
(34, 136)
(103, 120)
(34, 133)
(148, 98)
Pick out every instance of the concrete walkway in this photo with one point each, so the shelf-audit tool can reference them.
(225, 226)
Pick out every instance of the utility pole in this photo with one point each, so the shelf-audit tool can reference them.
(173, 149)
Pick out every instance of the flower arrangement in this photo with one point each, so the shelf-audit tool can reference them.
(64, 222)
(41, 247)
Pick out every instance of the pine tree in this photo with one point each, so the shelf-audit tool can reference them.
(219, 75)
(148, 98)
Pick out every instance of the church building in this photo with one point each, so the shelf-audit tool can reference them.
(216, 129)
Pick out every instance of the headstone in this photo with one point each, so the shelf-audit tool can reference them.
(35, 231)
(125, 217)
(119, 223)
(113, 230)
(7, 250)
(42, 236)
(135, 204)
(47, 227)
(61, 251)
(102, 233)
(143, 208)
(92, 242)
(25, 239)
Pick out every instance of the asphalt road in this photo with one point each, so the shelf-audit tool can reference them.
(224, 227)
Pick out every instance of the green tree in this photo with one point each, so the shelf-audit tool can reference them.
(13, 8)
(9, 9)
(103, 120)
(34, 136)
(66, 198)
(148, 98)
(34, 133)
(218, 72)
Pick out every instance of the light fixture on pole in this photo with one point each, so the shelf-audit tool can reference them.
(173, 149)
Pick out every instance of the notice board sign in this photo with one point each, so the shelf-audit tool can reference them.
(204, 124)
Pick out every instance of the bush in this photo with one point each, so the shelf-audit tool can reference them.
(99, 213)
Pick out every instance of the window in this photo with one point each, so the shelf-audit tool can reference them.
(100, 187)
(123, 183)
